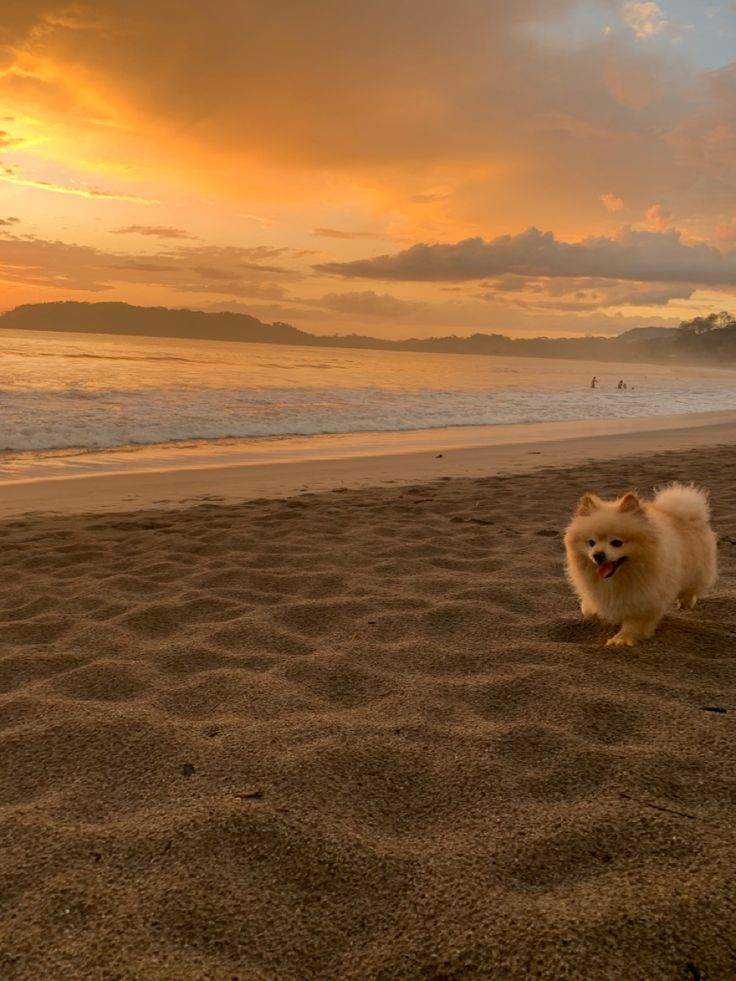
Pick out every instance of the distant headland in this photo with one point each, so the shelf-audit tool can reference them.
(703, 340)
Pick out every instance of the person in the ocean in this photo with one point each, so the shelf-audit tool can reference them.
(594, 382)
(621, 384)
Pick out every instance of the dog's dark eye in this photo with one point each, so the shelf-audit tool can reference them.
(616, 543)
(591, 542)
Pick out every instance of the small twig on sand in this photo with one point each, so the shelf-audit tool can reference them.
(703, 826)
(658, 807)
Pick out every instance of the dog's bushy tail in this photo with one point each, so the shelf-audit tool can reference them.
(684, 501)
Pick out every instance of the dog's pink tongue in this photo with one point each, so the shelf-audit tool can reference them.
(606, 570)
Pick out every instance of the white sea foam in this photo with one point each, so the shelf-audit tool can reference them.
(38, 421)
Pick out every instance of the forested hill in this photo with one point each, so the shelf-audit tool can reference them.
(122, 318)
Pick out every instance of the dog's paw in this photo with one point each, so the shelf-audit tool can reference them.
(621, 640)
(686, 602)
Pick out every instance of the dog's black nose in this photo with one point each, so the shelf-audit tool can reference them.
(599, 557)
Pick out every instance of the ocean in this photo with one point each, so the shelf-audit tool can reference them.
(81, 402)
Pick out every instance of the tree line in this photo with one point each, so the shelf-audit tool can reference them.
(707, 339)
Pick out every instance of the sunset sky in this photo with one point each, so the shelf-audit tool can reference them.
(392, 167)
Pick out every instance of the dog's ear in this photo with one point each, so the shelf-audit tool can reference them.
(587, 504)
(630, 502)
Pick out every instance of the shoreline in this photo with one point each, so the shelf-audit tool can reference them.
(444, 454)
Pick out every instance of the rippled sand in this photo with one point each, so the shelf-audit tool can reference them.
(361, 735)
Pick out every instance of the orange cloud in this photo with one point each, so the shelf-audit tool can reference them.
(225, 271)
(322, 104)
(338, 233)
(726, 233)
(658, 217)
(368, 303)
(584, 294)
(11, 177)
(645, 19)
(610, 202)
(157, 231)
(406, 144)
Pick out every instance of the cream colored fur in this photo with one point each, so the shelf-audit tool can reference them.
(667, 555)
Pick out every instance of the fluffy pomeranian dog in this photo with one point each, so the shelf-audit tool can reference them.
(631, 560)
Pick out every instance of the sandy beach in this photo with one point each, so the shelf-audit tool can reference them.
(360, 732)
